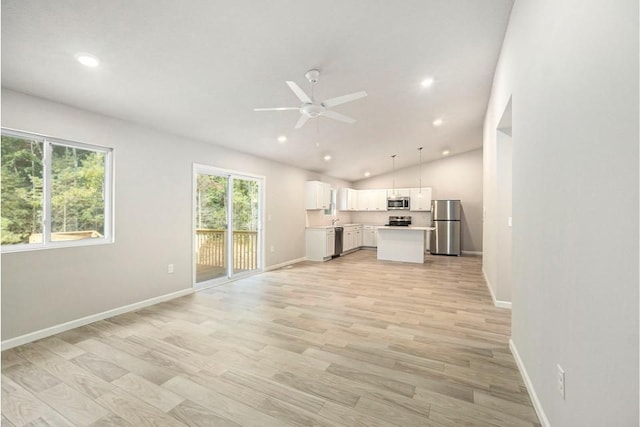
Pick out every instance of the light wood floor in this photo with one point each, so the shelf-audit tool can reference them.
(350, 342)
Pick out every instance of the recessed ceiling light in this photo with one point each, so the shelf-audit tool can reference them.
(427, 82)
(437, 122)
(87, 60)
(282, 139)
(327, 158)
(367, 174)
(445, 152)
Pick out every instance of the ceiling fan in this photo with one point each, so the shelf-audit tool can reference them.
(311, 108)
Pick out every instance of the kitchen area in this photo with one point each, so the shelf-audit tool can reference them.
(401, 224)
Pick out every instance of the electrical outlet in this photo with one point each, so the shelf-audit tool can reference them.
(170, 269)
(561, 381)
(272, 249)
(510, 221)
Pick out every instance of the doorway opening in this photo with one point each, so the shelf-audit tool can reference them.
(227, 231)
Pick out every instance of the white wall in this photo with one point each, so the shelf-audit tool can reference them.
(454, 177)
(572, 68)
(153, 184)
(504, 279)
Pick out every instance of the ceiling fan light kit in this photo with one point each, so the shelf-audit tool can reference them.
(311, 108)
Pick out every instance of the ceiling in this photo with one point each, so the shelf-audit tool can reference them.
(199, 71)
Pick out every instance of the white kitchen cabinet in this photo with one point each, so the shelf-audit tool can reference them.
(318, 195)
(379, 200)
(372, 200)
(399, 192)
(369, 236)
(351, 238)
(357, 240)
(363, 200)
(347, 199)
(320, 243)
(420, 200)
(347, 239)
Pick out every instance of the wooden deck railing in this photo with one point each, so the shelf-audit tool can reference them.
(211, 251)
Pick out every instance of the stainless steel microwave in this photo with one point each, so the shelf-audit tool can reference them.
(398, 203)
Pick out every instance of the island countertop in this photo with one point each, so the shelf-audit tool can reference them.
(404, 227)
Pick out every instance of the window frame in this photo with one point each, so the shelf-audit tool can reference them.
(47, 145)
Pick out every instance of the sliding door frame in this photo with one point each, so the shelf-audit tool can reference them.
(230, 175)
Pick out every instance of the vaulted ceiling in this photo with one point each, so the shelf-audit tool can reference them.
(198, 68)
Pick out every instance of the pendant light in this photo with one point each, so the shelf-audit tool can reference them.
(420, 172)
(393, 160)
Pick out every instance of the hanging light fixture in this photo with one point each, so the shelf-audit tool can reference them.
(393, 160)
(420, 172)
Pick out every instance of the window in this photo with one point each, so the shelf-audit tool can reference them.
(331, 211)
(53, 193)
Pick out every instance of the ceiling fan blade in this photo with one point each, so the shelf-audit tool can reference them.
(276, 109)
(337, 116)
(301, 121)
(299, 93)
(332, 102)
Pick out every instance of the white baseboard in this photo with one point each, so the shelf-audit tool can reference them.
(284, 264)
(527, 381)
(52, 330)
(496, 302)
(474, 253)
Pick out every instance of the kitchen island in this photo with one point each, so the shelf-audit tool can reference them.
(405, 244)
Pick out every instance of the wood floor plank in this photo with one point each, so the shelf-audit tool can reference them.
(454, 409)
(72, 404)
(61, 348)
(71, 374)
(195, 415)
(525, 412)
(221, 405)
(30, 376)
(135, 411)
(19, 406)
(111, 420)
(51, 419)
(10, 357)
(345, 416)
(99, 367)
(4, 422)
(394, 414)
(149, 392)
(275, 390)
(127, 361)
(323, 389)
(354, 341)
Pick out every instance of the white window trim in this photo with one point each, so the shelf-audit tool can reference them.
(109, 195)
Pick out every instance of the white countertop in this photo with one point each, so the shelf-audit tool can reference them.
(386, 227)
(337, 225)
(393, 227)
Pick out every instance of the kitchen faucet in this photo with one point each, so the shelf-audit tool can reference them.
(334, 220)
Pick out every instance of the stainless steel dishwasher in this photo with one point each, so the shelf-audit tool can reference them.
(338, 245)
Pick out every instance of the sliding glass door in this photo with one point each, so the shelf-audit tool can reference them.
(246, 218)
(227, 225)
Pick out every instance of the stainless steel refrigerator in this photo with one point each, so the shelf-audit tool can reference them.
(445, 239)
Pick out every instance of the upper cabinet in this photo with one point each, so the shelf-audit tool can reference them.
(318, 195)
(399, 192)
(372, 200)
(420, 199)
(348, 199)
